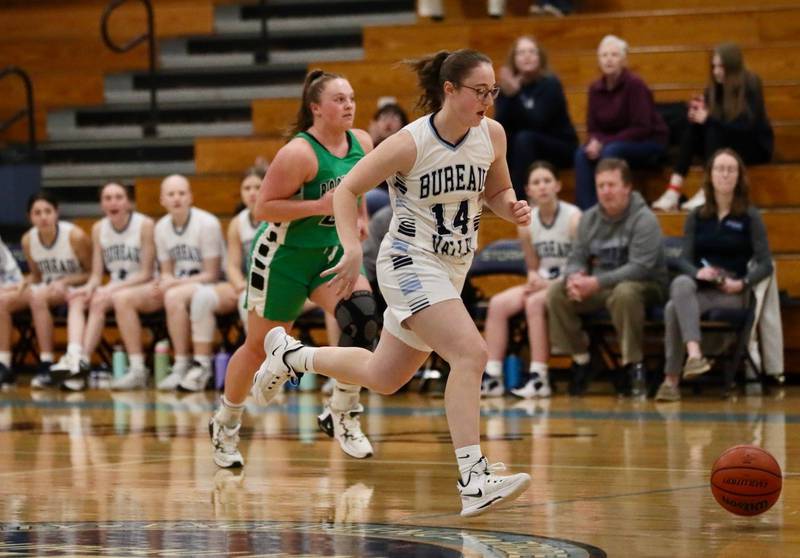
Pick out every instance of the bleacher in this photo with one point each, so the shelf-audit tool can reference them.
(220, 109)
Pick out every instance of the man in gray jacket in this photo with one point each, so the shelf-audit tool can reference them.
(617, 262)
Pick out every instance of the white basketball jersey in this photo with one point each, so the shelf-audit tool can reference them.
(122, 249)
(247, 233)
(187, 247)
(57, 260)
(437, 206)
(9, 270)
(553, 243)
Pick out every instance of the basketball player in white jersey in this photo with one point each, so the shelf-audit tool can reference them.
(122, 244)
(10, 302)
(59, 257)
(190, 252)
(441, 169)
(241, 232)
(546, 244)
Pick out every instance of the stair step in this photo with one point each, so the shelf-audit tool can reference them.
(103, 151)
(279, 40)
(229, 19)
(207, 94)
(245, 76)
(243, 58)
(316, 8)
(105, 170)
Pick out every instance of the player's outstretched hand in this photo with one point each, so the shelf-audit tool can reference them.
(521, 212)
(345, 273)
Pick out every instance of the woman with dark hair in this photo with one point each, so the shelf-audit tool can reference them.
(725, 252)
(294, 244)
(532, 108)
(441, 169)
(546, 243)
(122, 244)
(59, 256)
(730, 113)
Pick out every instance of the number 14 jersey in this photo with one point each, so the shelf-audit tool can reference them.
(437, 206)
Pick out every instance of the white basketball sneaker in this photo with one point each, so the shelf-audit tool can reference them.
(485, 490)
(134, 378)
(173, 380)
(196, 379)
(274, 371)
(345, 428)
(226, 444)
(537, 386)
(492, 386)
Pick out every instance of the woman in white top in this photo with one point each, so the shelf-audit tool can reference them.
(241, 231)
(441, 169)
(122, 245)
(59, 256)
(190, 251)
(10, 302)
(546, 244)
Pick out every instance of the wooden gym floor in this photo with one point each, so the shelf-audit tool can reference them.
(130, 474)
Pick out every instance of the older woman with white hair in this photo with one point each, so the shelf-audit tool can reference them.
(622, 121)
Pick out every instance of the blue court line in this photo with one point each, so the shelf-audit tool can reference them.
(295, 409)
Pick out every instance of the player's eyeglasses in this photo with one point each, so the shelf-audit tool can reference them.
(483, 93)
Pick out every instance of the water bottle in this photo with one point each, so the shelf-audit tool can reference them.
(512, 372)
(220, 368)
(308, 382)
(161, 360)
(119, 361)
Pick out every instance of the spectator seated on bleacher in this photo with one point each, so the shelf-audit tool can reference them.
(122, 244)
(730, 113)
(10, 302)
(532, 108)
(59, 256)
(617, 263)
(546, 244)
(387, 120)
(622, 121)
(720, 240)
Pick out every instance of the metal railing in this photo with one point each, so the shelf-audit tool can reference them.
(151, 125)
(262, 53)
(27, 111)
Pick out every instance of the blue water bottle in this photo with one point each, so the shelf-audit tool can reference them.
(119, 361)
(512, 372)
(220, 368)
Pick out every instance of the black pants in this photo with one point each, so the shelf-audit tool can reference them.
(703, 141)
(527, 146)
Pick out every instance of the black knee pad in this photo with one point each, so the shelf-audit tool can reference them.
(358, 319)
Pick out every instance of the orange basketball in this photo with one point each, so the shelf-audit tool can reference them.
(746, 480)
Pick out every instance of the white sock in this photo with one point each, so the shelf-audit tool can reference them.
(136, 362)
(5, 358)
(181, 363)
(203, 360)
(466, 457)
(494, 368)
(46, 357)
(539, 368)
(344, 397)
(74, 349)
(302, 360)
(581, 359)
(229, 414)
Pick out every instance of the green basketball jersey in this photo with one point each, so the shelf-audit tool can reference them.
(319, 231)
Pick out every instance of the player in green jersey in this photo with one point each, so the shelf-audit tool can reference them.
(294, 245)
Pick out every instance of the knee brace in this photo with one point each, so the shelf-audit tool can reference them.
(201, 312)
(358, 319)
